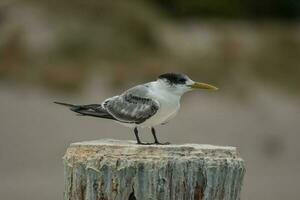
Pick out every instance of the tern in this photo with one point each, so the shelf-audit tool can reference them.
(144, 106)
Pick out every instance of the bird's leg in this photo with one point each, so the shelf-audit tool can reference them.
(154, 135)
(155, 138)
(136, 132)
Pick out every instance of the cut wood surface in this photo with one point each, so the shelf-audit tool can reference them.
(122, 170)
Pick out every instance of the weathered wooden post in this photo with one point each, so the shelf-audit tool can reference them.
(121, 170)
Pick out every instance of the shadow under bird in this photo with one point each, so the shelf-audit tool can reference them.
(146, 105)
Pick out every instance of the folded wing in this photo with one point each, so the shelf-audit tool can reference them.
(133, 106)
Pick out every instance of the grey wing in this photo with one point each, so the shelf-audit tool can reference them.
(133, 106)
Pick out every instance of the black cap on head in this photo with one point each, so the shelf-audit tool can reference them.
(173, 78)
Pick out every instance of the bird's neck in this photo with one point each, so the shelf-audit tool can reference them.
(165, 91)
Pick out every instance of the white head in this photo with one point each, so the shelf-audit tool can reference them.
(181, 83)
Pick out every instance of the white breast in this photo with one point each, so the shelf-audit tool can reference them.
(169, 106)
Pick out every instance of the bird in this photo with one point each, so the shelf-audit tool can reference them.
(144, 106)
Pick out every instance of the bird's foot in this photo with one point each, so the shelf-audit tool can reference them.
(145, 143)
(162, 143)
(153, 143)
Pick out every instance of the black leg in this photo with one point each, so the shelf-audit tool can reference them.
(154, 135)
(155, 138)
(136, 132)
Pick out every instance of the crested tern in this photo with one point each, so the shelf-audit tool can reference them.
(146, 105)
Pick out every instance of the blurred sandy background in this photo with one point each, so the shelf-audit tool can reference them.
(84, 51)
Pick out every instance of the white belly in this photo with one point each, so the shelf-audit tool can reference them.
(168, 109)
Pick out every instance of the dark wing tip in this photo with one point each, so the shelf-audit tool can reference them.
(63, 104)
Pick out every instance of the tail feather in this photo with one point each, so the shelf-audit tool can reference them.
(94, 110)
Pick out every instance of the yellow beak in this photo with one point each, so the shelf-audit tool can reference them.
(197, 85)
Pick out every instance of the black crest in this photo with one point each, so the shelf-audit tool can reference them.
(173, 78)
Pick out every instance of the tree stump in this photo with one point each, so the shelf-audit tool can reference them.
(122, 170)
